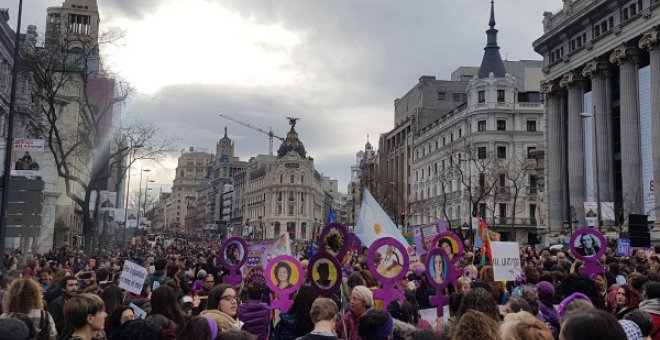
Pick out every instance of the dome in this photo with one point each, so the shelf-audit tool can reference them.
(292, 142)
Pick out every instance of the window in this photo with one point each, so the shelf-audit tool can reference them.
(532, 214)
(502, 209)
(291, 229)
(482, 96)
(441, 96)
(290, 209)
(444, 141)
(443, 165)
(501, 152)
(531, 125)
(277, 228)
(460, 133)
(482, 209)
(482, 180)
(530, 149)
(533, 184)
(291, 196)
(292, 179)
(481, 125)
(501, 125)
(451, 137)
(481, 152)
(501, 180)
(303, 230)
(500, 96)
(456, 97)
(279, 196)
(279, 209)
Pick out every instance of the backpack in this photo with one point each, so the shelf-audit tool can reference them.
(44, 327)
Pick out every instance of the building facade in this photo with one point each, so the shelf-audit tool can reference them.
(602, 92)
(476, 160)
(191, 171)
(280, 194)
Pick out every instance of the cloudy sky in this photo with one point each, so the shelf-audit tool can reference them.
(336, 64)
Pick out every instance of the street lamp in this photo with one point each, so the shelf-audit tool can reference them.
(140, 195)
(586, 115)
(146, 189)
(131, 157)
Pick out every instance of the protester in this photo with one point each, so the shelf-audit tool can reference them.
(68, 289)
(361, 300)
(118, 317)
(324, 315)
(524, 326)
(222, 307)
(479, 299)
(642, 320)
(26, 296)
(591, 325)
(164, 302)
(14, 329)
(254, 313)
(475, 325)
(199, 328)
(139, 329)
(627, 300)
(376, 324)
(85, 314)
(652, 306)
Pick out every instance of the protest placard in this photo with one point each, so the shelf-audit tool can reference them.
(506, 261)
(132, 277)
(622, 247)
(139, 312)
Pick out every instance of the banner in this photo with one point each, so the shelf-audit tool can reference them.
(591, 214)
(506, 261)
(108, 200)
(373, 223)
(132, 277)
(25, 157)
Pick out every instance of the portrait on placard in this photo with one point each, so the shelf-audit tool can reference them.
(333, 241)
(285, 274)
(324, 273)
(587, 245)
(389, 261)
(234, 252)
(438, 267)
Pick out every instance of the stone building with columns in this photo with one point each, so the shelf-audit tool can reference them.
(602, 93)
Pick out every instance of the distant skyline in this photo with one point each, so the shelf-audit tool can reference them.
(338, 65)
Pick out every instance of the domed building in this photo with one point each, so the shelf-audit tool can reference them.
(282, 194)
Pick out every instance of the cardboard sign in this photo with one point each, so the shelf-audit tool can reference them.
(132, 277)
(506, 261)
(622, 247)
(139, 312)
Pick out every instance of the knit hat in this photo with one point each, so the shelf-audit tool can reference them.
(545, 290)
(11, 328)
(564, 303)
(365, 295)
(633, 331)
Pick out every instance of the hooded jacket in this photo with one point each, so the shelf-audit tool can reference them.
(256, 317)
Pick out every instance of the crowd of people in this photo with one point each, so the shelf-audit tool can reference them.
(67, 295)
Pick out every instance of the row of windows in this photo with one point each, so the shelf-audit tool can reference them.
(501, 125)
(501, 96)
(457, 97)
(292, 179)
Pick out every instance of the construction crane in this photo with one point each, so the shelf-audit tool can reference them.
(268, 133)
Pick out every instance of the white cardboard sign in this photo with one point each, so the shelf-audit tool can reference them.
(506, 261)
(132, 277)
(139, 312)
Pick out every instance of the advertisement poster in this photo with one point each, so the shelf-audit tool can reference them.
(591, 214)
(108, 200)
(25, 157)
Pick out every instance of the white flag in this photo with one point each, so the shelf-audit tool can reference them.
(373, 223)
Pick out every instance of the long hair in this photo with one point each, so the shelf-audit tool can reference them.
(475, 325)
(112, 297)
(480, 300)
(445, 268)
(592, 325)
(164, 302)
(196, 329)
(215, 295)
(23, 296)
(487, 275)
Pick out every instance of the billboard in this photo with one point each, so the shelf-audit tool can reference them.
(25, 157)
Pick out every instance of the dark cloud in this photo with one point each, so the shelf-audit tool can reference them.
(355, 58)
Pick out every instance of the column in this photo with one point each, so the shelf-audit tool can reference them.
(574, 82)
(650, 42)
(631, 176)
(601, 89)
(554, 158)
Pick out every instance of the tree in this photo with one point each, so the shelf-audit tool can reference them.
(516, 172)
(75, 103)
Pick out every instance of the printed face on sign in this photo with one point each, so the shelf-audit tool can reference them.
(389, 261)
(324, 273)
(587, 245)
(234, 253)
(438, 269)
(333, 241)
(447, 244)
(285, 274)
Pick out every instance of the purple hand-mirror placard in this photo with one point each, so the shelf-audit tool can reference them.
(324, 273)
(388, 262)
(440, 274)
(334, 240)
(589, 245)
(233, 255)
(284, 275)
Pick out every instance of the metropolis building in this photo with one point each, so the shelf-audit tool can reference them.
(602, 91)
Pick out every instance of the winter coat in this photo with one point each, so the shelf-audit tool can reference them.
(652, 307)
(225, 322)
(551, 316)
(347, 327)
(160, 277)
(286, 328)
(402, 330)
(141, 301)
(256, 316)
